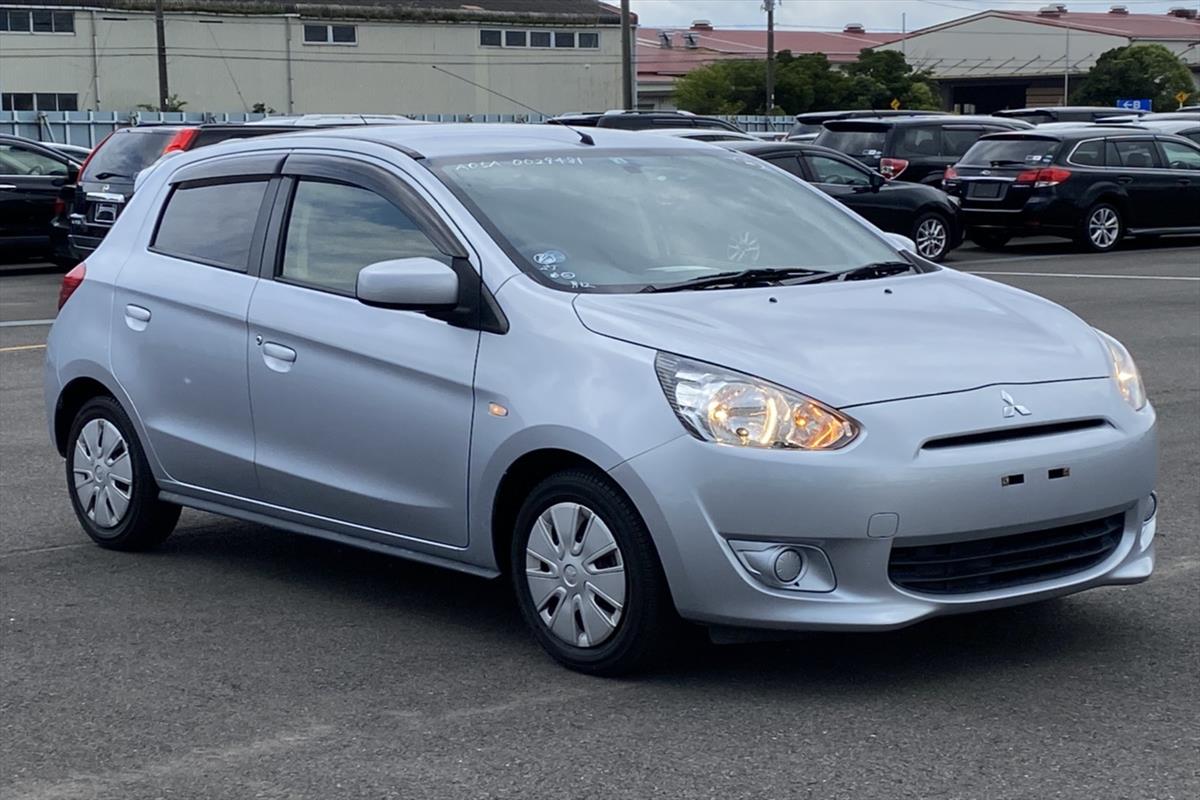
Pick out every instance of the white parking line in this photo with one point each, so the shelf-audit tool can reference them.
(25, 323)
(1084, 275)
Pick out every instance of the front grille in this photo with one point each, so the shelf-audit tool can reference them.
(1015, 432)
(981, 565)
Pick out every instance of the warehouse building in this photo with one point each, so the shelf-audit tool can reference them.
(360, 56)
(1012, 59)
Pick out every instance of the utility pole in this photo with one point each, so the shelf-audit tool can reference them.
(160, 37)
(770, 7)
(1067, 71)
(627, 101)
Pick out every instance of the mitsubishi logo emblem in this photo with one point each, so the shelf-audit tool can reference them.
(1011, 407)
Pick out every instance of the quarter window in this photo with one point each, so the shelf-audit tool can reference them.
(330, 34)
(1089, 154)
(1179, 156)
(334, 230)
(212, 223)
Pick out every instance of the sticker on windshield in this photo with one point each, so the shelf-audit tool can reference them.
(744, 247)
(550, 258)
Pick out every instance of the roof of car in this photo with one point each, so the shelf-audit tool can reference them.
(482, 140)
(756, 148)
(866, 113)
(1085, 131)
(1060, 109)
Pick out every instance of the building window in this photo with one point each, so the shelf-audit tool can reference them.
(489, 38)
(36, 21)
(539, 39)
(330, 34)
(516, 39)
(564, 39)
(589, 40)
(40, 101)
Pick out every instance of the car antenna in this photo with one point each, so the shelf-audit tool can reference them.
(583, 137)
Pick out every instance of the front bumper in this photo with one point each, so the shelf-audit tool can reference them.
(696, 497)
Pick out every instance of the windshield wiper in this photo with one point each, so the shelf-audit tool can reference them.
(745, 277)
(867, 272)
(106, 175)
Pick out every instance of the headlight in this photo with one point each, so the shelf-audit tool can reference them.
(1124, 372)
(719, 405)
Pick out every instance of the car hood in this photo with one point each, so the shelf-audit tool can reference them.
(858, 342)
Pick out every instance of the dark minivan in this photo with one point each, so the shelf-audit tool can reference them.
(916, 149)
(810, 124)
(1092, 184)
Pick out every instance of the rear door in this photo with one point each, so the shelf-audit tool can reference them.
(179, 321)
(1152, 189)
(1184, 162)
(362, 415)
(30, 178)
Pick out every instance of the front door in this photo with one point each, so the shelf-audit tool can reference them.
(1184, 163)
(362, 415)
(29, 183)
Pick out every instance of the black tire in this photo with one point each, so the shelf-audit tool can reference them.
(146, 521)
(647, 621)
(932, 236)
(988, 239)
(1101, 215)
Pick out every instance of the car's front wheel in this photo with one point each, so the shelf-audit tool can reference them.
(931, 234)
(112, 490)
(587, 577)
(1102, 228)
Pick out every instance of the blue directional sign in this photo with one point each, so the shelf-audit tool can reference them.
(1140, 104)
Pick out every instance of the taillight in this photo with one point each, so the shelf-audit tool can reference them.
(83, 167)
(1043, 178)
(181, 140)
(60, 207)
(951, 174)
(70, 283)
(892, 167)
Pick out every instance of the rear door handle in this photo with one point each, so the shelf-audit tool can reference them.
(137, 317)
(278, 357)
(1125, 179)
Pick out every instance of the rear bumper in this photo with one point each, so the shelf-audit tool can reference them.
(854, 505)
(1039, 215)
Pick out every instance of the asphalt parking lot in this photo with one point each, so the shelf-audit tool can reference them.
(239, 662)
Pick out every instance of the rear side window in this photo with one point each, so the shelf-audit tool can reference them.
(917, 141)
(1136, 154)
(1089, 154)
(124, 155)
(212, 223)
(335, 230)
(956, 141)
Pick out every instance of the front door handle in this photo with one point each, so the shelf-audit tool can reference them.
(1125, 179)
(7, 187)
(137, 317)
(278, 357)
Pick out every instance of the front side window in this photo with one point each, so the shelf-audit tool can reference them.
(17, 160)
(211, 223)
(334, 230)
(556, 213)
(830, 170)
(1180, 156)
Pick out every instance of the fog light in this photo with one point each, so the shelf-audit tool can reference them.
(788, 565)
(797, 567)
(1151, 507)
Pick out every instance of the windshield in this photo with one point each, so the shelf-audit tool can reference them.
(860, 142)
(623, 220)
(806, 129)
(1010, 152)
(126, 154)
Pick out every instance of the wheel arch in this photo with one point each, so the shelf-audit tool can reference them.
(72, 398)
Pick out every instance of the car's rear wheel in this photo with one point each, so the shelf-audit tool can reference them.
(587, 577)
(112, 490)
(1102, 228)
(988, 239)
(931, 234)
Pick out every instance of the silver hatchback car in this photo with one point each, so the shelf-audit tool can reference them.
(646, 378)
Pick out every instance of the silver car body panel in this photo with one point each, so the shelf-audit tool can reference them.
(379, 434)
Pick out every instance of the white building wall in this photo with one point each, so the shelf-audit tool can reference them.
(229, 63)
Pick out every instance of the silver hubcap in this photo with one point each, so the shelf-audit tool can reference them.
(931, 238)
(103, 473)
(575, 574)
(1104, 227)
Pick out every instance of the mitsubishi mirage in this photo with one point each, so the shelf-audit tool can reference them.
(648, 380)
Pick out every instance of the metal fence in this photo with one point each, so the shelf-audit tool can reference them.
(86, 128)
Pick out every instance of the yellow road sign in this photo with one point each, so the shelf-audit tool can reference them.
(1181, 96)
(895, 104)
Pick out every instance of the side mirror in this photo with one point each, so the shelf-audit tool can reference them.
(877, 181)
(902, 242)
(414, 284)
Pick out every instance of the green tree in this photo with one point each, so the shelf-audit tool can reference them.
(708, 90)
(1135, 71)
(880, 76)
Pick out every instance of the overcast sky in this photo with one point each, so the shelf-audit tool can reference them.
(877, 15)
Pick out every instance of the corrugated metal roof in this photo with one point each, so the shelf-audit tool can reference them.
(1161, 27)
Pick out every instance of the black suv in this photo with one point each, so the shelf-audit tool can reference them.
(810, 124)
(31, 176)
(643, 120)
(1092, 184)
(916, 149)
